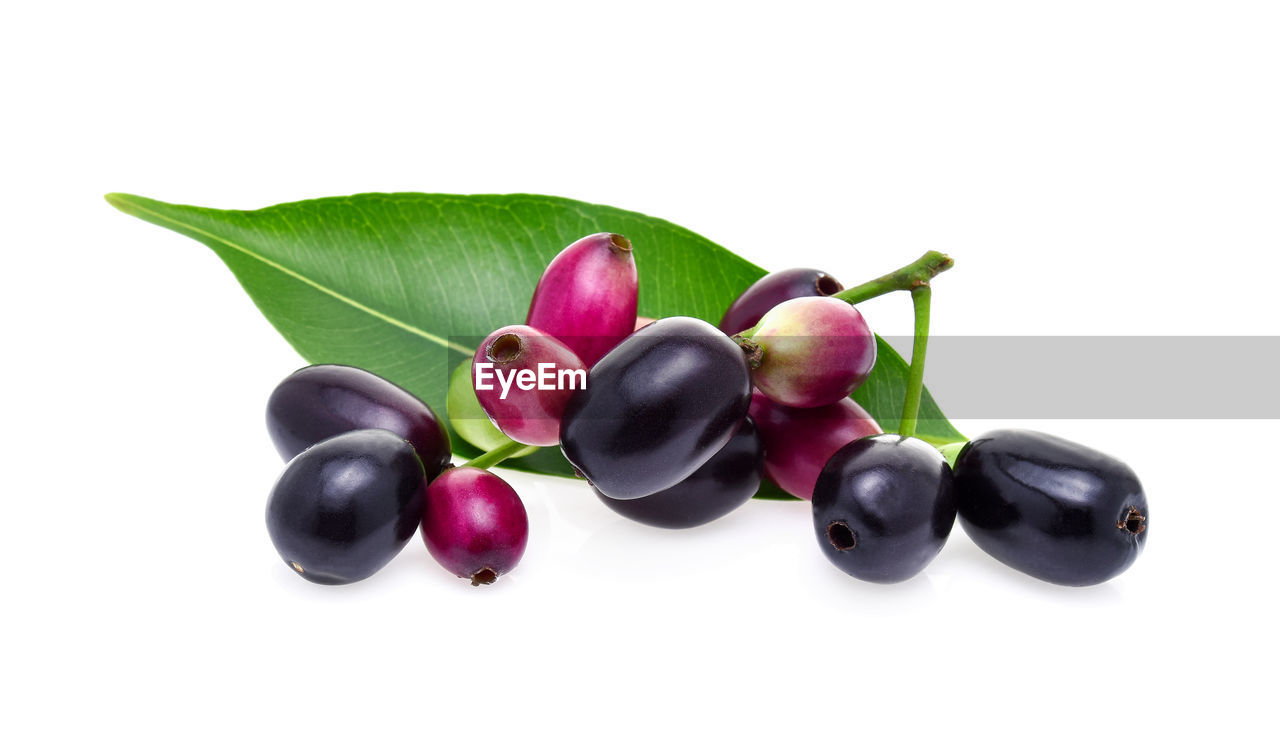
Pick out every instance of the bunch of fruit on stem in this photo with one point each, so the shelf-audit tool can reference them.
(675, 423)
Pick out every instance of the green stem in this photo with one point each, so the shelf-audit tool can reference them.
(920, 299)
(908, 278)
(496, 456)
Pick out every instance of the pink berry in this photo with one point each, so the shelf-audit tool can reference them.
(587, 296)
(798, 442)
(474, 524)
(523, 378)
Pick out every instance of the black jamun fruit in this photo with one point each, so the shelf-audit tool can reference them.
(1049, 507)
(344, 507)
(773, 289)
(721, 485)
(884, 507)
(324, 400)
(656, 408)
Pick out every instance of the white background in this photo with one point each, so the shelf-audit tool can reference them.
(1093, 167)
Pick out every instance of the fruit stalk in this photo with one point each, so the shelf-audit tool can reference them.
(496, 456)
(907, 278)
(920, 300)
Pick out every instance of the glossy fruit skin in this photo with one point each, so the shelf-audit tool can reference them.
(656, 408)
(896, 498)
(718, 487)
(587, 296)
(799, 441)
(1049, 507)
(344, 507)
(816, 351)
(466, 416)
(773, 289)
(531, 416)
(474, 524)
(325, 400)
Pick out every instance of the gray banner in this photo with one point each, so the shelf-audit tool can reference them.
(1108, 377)
(1093, 377)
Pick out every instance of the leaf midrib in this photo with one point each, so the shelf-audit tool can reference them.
(124, 203)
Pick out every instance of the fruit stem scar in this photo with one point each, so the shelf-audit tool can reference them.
(619, 243)
(485, 575)
(296, 567)
(827, 285)
(505, 348)
(841, 536)
(752, 349)
(1133, 522)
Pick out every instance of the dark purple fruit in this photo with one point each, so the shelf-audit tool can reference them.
(883, 507)
(722, 484)
(773, 289)
(656, 408)
(798, 441)
(587, 296)
(523, 378)
(344, 507)
(474, 524)
(324, 400)
(814, 352)
(1049, 507)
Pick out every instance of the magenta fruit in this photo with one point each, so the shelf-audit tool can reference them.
(325, 400)
(474, 524)
(799, 441)
(523, 378)
(812, 352)
(587, 296)
(773, 289)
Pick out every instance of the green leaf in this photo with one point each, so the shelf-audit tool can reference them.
(405, 285)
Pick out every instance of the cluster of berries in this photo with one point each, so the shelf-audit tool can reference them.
(675, 423)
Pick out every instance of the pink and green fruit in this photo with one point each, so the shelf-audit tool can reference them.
(814, 351)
